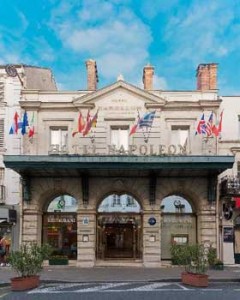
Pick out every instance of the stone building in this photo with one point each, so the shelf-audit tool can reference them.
(12, 81)
(115, 176)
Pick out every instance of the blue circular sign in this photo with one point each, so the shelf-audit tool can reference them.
(152, 221)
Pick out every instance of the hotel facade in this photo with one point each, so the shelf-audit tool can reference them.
(115, 176)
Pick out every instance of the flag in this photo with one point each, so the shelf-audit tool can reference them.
(15, 125)
(237, 202)
(146, 120)
(81, 125)
(201, 127)
(209, 125)
(133, 129)
(91, 122)
(94, 120)
(31, 127)
(24, 123)
(220, 123)
(16, 116)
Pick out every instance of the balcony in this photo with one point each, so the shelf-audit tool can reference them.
(230, 186)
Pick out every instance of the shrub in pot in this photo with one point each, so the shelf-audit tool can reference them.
(27, 262)
(196, 265)
(213, 261)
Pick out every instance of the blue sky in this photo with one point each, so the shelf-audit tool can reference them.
(123, 36)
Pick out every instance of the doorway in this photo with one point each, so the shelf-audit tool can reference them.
(119, 229)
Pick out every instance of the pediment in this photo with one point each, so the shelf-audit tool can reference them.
(119, 90)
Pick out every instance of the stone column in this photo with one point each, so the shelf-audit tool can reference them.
(86, 237)
(151, 239)
(31, 226)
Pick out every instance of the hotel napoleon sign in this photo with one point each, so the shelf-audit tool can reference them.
(142, 149)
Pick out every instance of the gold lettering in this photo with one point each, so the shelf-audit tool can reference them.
(143, 149)
(162, 149)
(132, 148)
(172, 149)
(151, 150)
(182, 150)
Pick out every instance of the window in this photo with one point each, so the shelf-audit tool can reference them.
(175, 204)
(1, 133)
(58, 139)
(119, 203)
(2, 171)
(180, 135)
(238, 127)
(60, 226)
(116, 200)
(119, 137)
(1, 91)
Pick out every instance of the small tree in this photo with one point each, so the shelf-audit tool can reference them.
(193, 257)
(28, 260)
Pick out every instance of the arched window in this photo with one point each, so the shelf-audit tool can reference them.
(60, 226)
(63, 203)
(175, 204)
(119, 203)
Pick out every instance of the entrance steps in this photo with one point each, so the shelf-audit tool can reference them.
(119, 263)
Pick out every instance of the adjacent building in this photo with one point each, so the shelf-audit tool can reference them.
(115, 176)
(13, 79)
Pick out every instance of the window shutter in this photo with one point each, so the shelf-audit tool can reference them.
(1, 133)
(1, 91)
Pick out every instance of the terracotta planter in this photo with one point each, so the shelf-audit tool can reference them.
(199, 280)
(24, 283)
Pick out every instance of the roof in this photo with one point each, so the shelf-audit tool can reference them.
(75, 165)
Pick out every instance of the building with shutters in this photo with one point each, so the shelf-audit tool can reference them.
(12, 82)
(115, 176)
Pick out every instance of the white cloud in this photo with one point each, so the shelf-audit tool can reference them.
(159, 83)
(113, 35)
(202, 31)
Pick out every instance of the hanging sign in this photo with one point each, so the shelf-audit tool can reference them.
(152, 221)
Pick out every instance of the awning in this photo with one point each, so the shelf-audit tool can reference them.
(75, 165)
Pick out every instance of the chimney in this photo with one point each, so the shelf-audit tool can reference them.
(148, 72)
(92, 75)
(207, 77)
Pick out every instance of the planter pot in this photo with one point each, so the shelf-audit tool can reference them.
(58, 261)
(199, 280)
(24, 283)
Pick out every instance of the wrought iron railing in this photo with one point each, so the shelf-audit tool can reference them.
(230, 186)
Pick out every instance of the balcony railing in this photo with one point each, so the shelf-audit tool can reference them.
(230, 186)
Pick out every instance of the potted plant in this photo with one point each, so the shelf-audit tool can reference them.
(213, 261)
(28, 262)
(196, 265)
(218, 265)
(57, 257)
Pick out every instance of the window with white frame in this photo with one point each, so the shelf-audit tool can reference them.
(58, 139)
(180, 135)
(119, 136)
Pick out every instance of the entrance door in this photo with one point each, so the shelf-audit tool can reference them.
(119, 241)
(119, 230)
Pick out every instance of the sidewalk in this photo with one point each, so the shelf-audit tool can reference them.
(113, 274)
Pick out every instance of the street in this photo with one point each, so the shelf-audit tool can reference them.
(127, 291)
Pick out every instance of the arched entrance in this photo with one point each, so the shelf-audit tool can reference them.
(119, 228)
(178, 224)
(60, 226)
